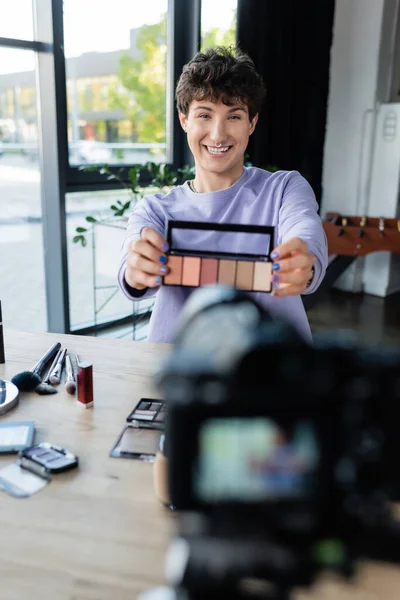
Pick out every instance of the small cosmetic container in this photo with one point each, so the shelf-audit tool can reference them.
(85, 384)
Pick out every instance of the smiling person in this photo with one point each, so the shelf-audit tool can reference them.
(219, 95)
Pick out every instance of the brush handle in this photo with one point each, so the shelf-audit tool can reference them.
(57, 370)
(69, 370)
(53, 364)
(38, 368)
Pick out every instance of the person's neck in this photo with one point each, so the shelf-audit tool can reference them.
(214, 182)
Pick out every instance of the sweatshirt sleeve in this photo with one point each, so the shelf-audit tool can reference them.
(298, 217)
(147, 213)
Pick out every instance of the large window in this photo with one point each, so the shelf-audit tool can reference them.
(22, 288)
(116, 81)
(105, 77)
(218, 23)
(16, 20)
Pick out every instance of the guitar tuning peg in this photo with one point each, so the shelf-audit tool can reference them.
(381, 226)
(363, 223)
(344, 224)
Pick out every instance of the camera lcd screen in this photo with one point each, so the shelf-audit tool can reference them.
(254, 459)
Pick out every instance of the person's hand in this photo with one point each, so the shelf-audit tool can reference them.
(292, 269)
(145, 263)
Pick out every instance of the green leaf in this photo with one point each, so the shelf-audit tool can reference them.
(113, 207)
(88, 169)
(91, 219)
(81, 229)
(80, 239)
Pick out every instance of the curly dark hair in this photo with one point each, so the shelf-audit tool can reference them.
(221, 74)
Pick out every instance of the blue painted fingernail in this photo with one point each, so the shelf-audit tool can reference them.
(275, 285)
(275, 278)
(276, 267)
(163, 259)
(158, 279)
(274, 254)
(164, 270)
(164, 247)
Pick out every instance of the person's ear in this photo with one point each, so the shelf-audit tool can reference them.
(253, 123)
(183, 120)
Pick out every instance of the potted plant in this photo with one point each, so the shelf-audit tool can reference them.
(162, 178)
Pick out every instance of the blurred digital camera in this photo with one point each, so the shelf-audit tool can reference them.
(282, 456)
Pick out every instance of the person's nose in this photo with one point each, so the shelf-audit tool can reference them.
(218, 132)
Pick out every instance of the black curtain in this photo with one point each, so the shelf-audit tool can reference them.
(290, 42)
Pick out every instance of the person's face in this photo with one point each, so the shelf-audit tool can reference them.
(218, 135)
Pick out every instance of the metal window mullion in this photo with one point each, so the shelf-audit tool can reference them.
(53, 197)
(25, 45)
(184, 28)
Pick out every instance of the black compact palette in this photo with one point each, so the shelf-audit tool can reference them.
(141, 436)
(47, 458)
(150, 414)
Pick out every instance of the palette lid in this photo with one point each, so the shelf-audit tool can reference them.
(192, 248)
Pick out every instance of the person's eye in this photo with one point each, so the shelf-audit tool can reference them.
(235, 117)
(204, 116)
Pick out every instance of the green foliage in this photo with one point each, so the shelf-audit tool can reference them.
(220, 37)
(162, 178)
(143, 99)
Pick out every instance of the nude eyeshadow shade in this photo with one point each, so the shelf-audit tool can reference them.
(194, 268)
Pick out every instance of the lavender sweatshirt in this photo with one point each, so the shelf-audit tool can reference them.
(283, 199)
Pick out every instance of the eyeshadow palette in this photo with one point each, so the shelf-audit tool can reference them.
(139, 443)
(148, 413)
(194, 268)
(47, 458)
(140, 438)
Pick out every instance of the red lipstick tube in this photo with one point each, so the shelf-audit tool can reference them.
(85, 384)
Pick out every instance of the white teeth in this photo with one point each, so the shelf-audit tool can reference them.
(215, 150)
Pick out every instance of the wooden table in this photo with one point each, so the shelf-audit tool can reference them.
(96, 532)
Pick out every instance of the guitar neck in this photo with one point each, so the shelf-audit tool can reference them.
(358, 236)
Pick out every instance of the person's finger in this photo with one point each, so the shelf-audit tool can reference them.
(146, 249)
(288, 247)
(140, 280)
(150, 235)
(289, 289)
(297, 277)
(297, 261)
(140, 263)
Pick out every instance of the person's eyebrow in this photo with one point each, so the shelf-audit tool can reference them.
(233, 109)
(202, 108)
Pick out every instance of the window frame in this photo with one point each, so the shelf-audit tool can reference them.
(57, 177)
(183, 39)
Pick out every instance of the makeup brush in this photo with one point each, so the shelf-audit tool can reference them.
(28, 380)
(70, 384)
(44, 388)
(55, 374)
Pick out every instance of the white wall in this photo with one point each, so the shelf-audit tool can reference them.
(355, 64)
